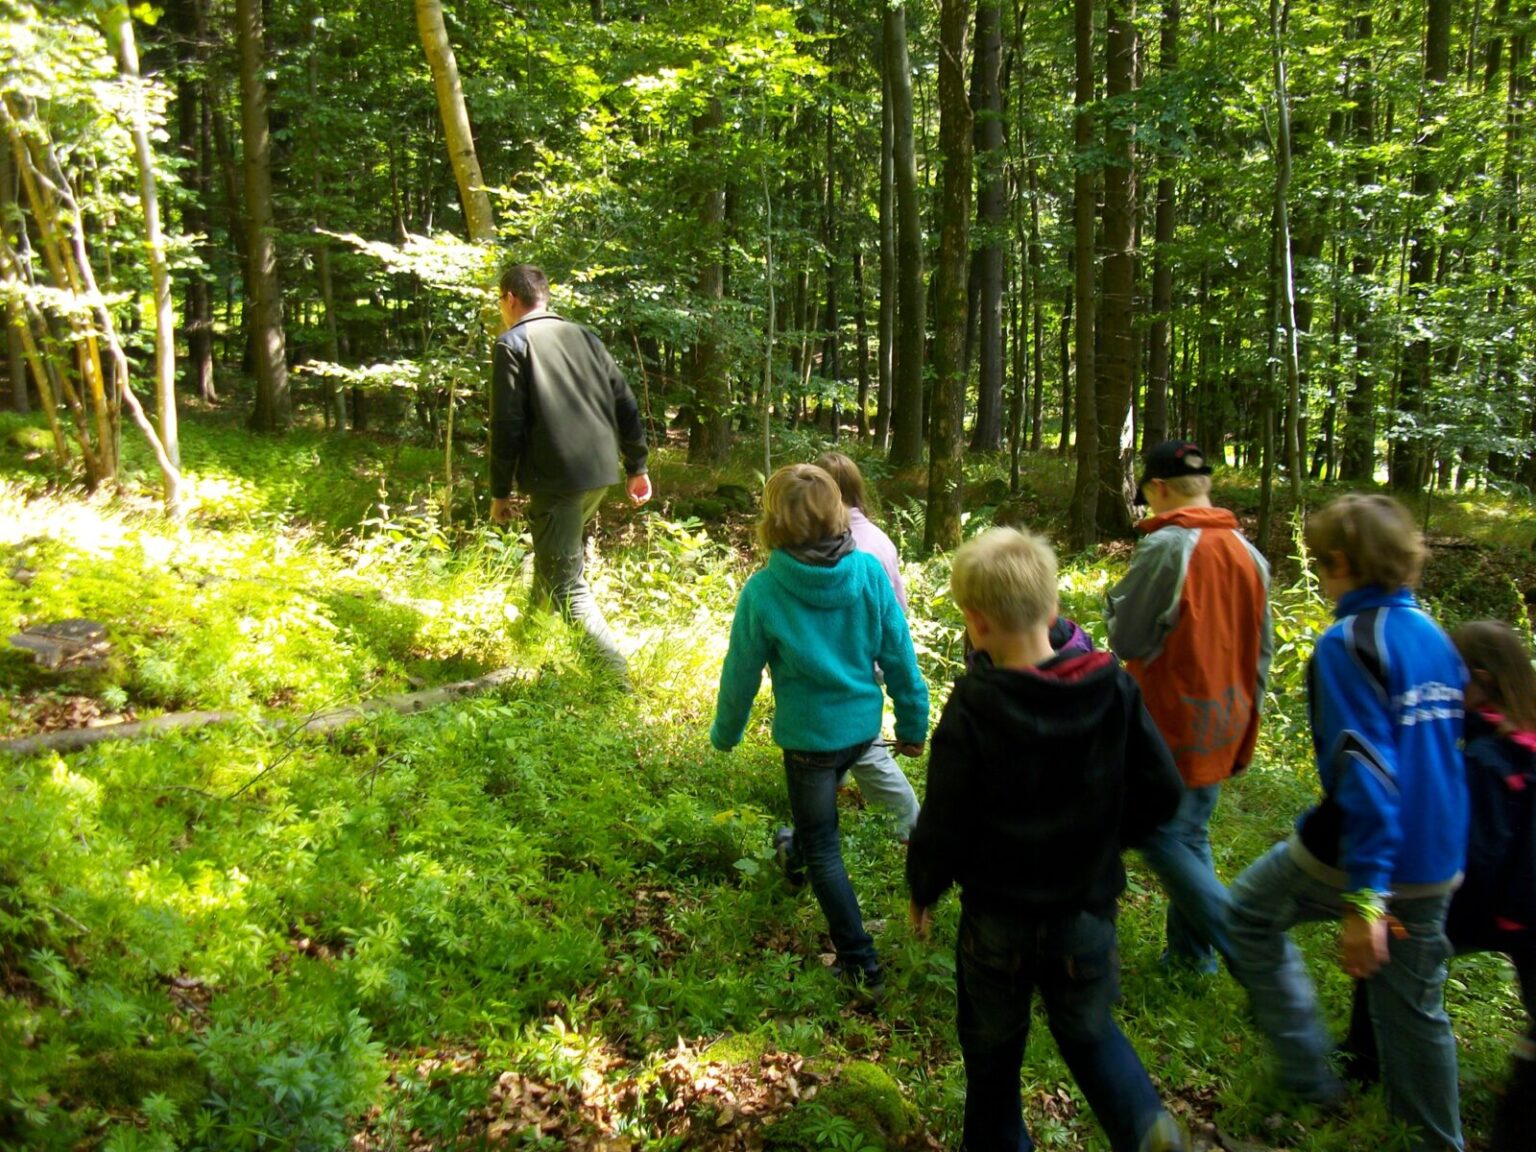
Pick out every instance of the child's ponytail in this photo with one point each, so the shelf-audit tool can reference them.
(1498, 661)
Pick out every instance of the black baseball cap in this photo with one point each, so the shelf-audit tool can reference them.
(1169, 460)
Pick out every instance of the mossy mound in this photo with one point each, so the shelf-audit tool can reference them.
(862, 1095)
(120, 1078)
(736, 1048)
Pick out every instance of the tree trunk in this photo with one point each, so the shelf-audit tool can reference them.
(861, 337)
(1154, 421)
(946, 471)
(117, 25)
(450, 105)
(1406, 468)
(991, 222)
(1116, 376)
(273, 409)
(907, 399)
(709, 386)
(15, 353)
(1357, 463)
(1085, 523)
(1285, 272)
(888, 265)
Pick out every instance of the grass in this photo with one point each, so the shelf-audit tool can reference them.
(543, 918)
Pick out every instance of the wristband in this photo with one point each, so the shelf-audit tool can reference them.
(1368, 905)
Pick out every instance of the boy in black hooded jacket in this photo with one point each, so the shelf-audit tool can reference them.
(1043, 768)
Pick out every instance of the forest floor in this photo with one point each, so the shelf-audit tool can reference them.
(548, 916)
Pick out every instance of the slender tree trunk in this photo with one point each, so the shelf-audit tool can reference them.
(946, 472)
(1037, 317)
(991, 222)
(888, 264)
(1085, 523)
(1285, 272)
(1409, 452)
(1116, 377)
(1154, 422)
(15, 316)
(907, 401)
(118, 28)
(709, 384)
(273, 409)
(861, 337)
(450, 105)
(1357, 462)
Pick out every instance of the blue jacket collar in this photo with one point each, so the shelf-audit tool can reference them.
(1373, 596)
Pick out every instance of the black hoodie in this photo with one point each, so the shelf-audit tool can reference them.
(1037, 780)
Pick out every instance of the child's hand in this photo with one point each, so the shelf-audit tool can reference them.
(922, 921)
(907, 748)
(1363, 945)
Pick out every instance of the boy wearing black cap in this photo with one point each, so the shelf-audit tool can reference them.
(1191, 621)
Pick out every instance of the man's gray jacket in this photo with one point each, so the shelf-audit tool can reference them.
(559, 408)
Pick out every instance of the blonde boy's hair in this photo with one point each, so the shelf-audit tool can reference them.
(801, 505)
(1375, 534)
(1008, 576)
(1189, 487)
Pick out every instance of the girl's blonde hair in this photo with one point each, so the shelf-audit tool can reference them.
(801, 505)
(850, 481)
(1499, 663)
(1374, 534)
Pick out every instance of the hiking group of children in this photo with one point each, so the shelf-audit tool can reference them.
(1051, 758)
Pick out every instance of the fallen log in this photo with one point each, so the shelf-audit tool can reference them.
(407, 703)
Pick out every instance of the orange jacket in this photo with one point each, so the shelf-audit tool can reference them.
(1191, 621)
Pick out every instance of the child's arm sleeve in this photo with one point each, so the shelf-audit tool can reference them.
(1143, 608)
(1357, 753)
(741, 676)
(1153, 787)
(934, 853)
(903, 679)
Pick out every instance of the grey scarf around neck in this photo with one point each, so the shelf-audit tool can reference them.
(823, 553)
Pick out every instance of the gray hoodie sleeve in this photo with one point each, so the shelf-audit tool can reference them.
(1144, 607)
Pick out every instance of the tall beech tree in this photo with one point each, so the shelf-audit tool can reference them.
(272, 411)
(946, 476)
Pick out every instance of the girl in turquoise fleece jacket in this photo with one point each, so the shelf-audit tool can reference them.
(820, 616)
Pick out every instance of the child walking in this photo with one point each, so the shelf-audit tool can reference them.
(1494, 910)
(820, 615)
(1191, 621)
(880, 779)
(1043, 767)
(1383, 850)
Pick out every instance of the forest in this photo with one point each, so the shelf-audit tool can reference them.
(316, 834)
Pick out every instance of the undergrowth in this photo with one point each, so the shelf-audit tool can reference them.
(511, 920)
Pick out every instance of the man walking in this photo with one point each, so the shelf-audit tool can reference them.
(559, 407)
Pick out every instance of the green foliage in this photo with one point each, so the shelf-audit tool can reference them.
(241, 938)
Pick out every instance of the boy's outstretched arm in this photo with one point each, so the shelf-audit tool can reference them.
(933, 857)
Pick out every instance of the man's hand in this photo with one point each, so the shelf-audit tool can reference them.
(501, 510)
(907, 748)
(921, 920)
(640, 488)
(1363, 945)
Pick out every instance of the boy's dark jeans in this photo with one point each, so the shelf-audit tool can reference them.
(812, 781)
(1073, 959)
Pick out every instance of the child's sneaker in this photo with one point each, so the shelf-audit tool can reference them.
(865, 987)
(784, 853)
(1165, 1135)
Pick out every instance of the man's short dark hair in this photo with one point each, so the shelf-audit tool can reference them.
(528, 283)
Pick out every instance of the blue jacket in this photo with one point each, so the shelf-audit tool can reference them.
(820, 631)
(1384, 692)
